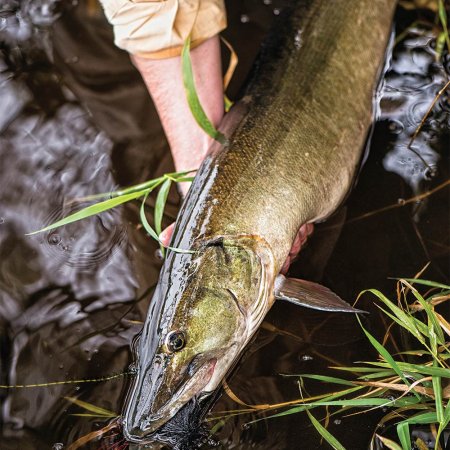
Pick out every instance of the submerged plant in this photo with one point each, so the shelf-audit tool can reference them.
(412, 386)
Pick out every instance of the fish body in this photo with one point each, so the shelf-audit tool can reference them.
(294, 144)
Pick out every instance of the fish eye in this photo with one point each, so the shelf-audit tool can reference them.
(175, 341)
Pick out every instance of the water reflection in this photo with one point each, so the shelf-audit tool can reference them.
(71, 300)
(414, 78)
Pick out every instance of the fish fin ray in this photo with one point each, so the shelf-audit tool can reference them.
(310, 295)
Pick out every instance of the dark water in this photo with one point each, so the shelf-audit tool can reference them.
(75, 120)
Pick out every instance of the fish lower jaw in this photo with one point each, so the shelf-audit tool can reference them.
(143, 431)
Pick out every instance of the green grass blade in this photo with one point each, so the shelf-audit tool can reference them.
(422, 418)
(89, 211)
(227, 103)
(147, 227)
(404, 435)
(440, 44)
(147, 186)
(443, 19)
(325, 433)
(437, 389)
(358, 369)
(447, 412)
(192, 97)
(366, 402)
(376, 375)
(415, 368)
(414, 326)
(384, 353)
(160, 204)
(326, 379)
(403, 318)
(434, 323)
(92, 408)
(187, 179)
(424, 282)
(300, 408)
(103, 416)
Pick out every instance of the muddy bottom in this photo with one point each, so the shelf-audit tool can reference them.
(75, 119)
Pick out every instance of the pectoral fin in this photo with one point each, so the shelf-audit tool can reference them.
(311, 295)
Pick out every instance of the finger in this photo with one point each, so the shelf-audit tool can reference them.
(166, 235)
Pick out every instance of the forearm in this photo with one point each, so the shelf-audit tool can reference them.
(163, 77)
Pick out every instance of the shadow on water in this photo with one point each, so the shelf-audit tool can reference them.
(75, 120)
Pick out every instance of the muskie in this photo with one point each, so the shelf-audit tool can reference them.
(294, 144)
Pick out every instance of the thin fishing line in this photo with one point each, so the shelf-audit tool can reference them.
(57, 383)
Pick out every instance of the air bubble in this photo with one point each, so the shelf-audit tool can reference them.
(395, 127)
(430, 172)
(54, 239)
(306, 358)
(58, 446)
(277, 11)
(245, 18)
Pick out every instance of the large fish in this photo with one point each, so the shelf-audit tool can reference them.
(295, 142)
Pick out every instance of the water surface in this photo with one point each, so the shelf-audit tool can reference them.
(75, 119)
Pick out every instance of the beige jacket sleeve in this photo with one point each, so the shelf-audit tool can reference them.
(158, 28)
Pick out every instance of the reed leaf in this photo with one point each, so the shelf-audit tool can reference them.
(424, 282)
(327, 379)
(90, 211)
(147, 227)
(384, 353)
(325, 433)
(96, 410)
(404, 435)
(160, 204)
(443, 18)
(192, 97)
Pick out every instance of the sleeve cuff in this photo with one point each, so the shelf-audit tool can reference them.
(157, 29)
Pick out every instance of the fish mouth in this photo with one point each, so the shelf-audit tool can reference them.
(142, 433)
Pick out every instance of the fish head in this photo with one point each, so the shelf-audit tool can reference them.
(204, 311)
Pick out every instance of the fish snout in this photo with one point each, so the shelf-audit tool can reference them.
(140, 432)
(135, 434)
(153, 403)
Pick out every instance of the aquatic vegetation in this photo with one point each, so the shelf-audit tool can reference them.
(443, 35)
(411, 386)
(92, 410)
(116, 198)
(439, 7)
(192, 97)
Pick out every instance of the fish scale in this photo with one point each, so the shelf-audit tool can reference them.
(294, 143)
(305, 126)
